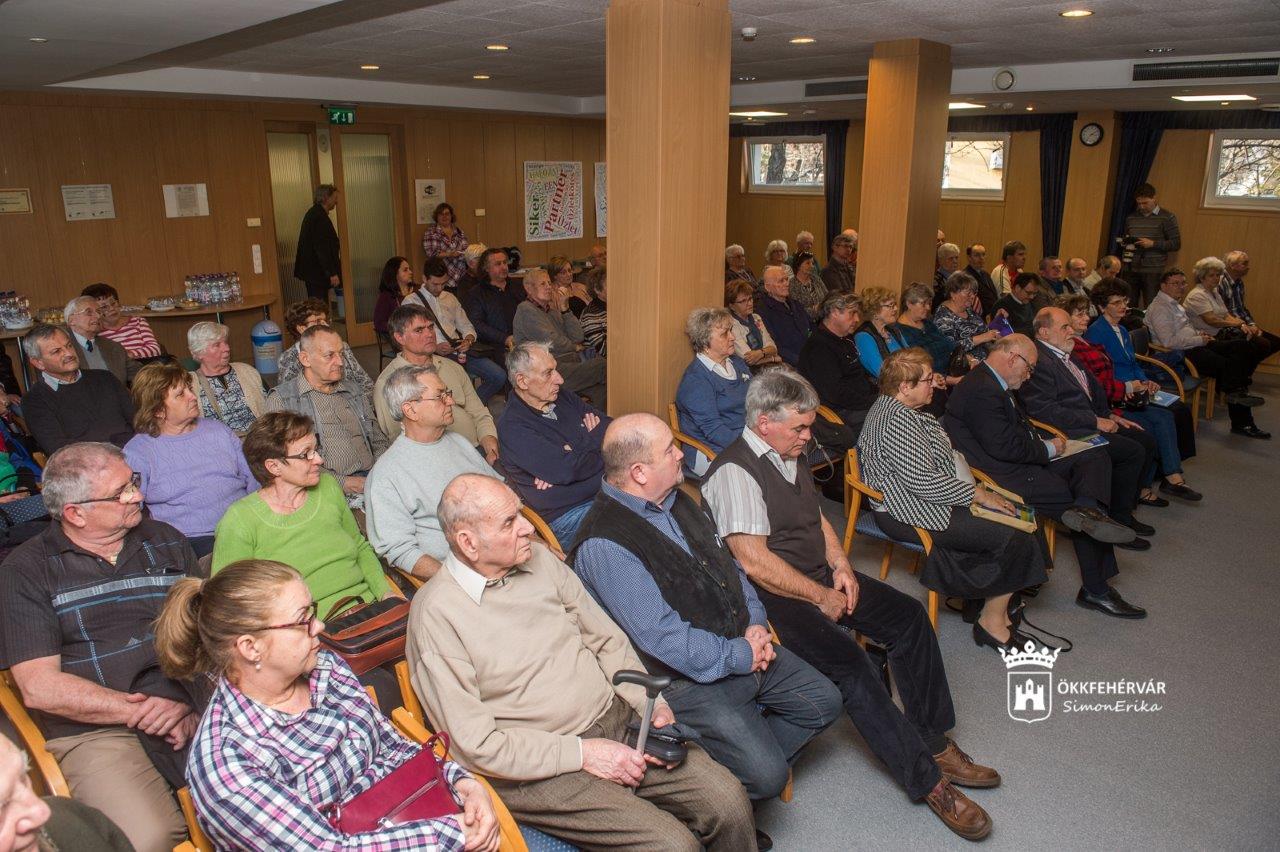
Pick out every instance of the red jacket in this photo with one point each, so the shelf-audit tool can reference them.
(1094, 358)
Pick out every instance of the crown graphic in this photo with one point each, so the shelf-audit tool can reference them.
(1029, 656)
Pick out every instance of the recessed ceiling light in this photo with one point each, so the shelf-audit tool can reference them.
(1226, 103)
(479, 76)
(746, 78)
(496, 47)
(1161, 49)
(37, 40)
(757, 113)
(965, 105)
(803, 40)
(1209, 98)
(370, 67)
(811, 112)
(1030, 108)
(1075, 13)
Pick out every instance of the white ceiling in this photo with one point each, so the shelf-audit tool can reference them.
(428, 50)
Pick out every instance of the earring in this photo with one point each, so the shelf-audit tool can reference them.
(257, 665)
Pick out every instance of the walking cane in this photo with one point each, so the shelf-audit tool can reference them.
(653, 684)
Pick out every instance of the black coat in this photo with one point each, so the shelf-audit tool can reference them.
(832, 365)
(319, 253)
(1052, 395)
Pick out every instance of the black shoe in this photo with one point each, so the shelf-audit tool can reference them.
(763, 841)
(1182, 491)
(1030, 591)
(1136, 544)
(1251, 431)
(1139, 527)
(1153, 501)
(1247, 400)
(983, 638)
(1110, 604)
(1095, 524)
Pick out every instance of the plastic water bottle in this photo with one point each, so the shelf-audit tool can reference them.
(268, 343)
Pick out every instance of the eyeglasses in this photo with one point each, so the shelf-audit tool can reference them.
(90, 312)
(306, 455)
(1031, 368)
(308, 621)
(124, 495)
(444, 394)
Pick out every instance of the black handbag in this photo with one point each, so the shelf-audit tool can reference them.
(959, 363)
(1136, 401)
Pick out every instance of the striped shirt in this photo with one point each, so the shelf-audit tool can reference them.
(136, 337)
(262, 779)
(736, 499)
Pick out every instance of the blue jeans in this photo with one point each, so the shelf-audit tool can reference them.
(492, 377)
(1158, 423)
(797, 702)
(566, 526)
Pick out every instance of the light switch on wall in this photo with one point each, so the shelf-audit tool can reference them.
(253, 223)
(479, 211)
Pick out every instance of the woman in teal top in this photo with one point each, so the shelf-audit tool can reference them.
(876, 339)
(299, 517)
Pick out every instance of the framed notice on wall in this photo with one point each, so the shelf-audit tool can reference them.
(15, 201)
(88, 201)
(602, 201)
(185, 199)
(552, 201)
(429, 192)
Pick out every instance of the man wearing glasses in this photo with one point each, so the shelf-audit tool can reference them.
(404, 487)
(987, 423)
(96, 352)
(80, 600)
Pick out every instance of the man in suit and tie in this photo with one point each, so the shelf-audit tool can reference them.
(987, 424)
(1062, 394)
(96, 353)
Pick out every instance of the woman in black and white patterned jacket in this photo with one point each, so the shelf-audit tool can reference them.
(906, 455)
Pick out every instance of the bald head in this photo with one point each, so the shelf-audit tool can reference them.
(1013, 358)
(481, 520)
(641, 457)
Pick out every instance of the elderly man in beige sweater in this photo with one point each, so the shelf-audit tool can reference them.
(514, 658)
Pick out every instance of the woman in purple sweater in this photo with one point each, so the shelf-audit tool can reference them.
(191, 467)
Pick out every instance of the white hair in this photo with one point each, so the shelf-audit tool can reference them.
(403, 386)
(202, 335)
(71, 306)
(777, 393)
(70, 472)
(775, 245)
(520, 358)
(734, 250)
(803, 235)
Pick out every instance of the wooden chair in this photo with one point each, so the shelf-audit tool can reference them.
(1050, 529)
(46, 775)
(386, 349)
(199, 841)
(692, 481)
(543, 530)
(863, 524)
(1208, 384)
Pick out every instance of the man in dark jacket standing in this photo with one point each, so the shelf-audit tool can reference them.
(1156, 236)
(318, 262)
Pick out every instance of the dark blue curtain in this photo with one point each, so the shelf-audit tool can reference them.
(1055, 158)
(836, 134)
(1140, 134)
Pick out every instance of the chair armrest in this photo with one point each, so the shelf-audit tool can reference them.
(991, 483)
(45, 766)
(1173, 374)
(199, 840)
(1052, 430)
(830, 416)
(693, 443)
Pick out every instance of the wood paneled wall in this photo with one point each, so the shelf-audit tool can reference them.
(993, 223)
(139, 143)
(756, 219)
(1178, 176)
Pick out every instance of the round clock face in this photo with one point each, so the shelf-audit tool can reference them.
(1003, 80)
(1091, 134)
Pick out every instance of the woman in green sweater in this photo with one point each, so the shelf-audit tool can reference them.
(299, 517)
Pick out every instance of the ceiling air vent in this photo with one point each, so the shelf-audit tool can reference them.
(835, 87)
(1267, 67)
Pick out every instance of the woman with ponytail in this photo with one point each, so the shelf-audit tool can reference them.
(289, 731)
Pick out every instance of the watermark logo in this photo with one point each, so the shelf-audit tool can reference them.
(1030, 682)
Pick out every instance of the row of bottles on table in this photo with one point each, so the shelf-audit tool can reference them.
(15, 310)
(217, 288)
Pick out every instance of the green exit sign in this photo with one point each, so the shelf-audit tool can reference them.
(342, 115)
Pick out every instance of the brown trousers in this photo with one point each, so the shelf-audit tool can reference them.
(698, 804)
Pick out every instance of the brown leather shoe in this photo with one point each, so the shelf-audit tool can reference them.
(958, 768)
(958, 812)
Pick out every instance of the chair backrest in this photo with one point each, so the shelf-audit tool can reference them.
(46, 775)
(673, 417)
(199, 839)
(853, 477)
(1141, 338)
(408, 697)
(543, 529)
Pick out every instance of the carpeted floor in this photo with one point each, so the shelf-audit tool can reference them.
(1198, 774)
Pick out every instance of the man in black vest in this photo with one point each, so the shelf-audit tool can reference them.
(650, 555)
(766, 508)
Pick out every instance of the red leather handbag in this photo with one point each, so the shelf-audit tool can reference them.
(415, 790)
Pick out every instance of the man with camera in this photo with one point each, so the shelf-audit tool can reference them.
(1150, 235)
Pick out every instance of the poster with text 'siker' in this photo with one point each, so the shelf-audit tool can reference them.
(552, 201)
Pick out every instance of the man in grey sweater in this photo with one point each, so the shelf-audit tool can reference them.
(404, 487)
(1156, 236)
(545, 317)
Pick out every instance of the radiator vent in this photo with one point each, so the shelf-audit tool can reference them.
(835, 87)
(1267, 67)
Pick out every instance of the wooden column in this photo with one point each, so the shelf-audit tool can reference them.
(667, 128)
(907, 94)
(1086, 213)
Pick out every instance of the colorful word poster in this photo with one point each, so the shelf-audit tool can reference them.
(552, 201)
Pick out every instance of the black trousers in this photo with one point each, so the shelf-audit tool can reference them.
(1087, 480)
(318, 289)
(1232, 363)
(906, 739)
(1133, 465)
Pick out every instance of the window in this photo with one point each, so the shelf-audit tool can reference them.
(1244, 170)
(795, 164)
(973, 165)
